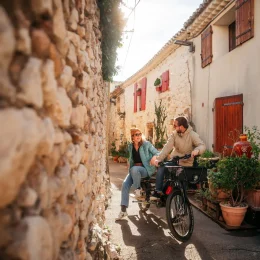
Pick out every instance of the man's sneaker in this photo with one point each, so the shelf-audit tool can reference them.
(156, 195)
(122, 215)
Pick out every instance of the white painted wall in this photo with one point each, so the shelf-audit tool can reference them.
(230, 73)
(176, 100)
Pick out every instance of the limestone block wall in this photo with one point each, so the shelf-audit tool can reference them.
(53, 116)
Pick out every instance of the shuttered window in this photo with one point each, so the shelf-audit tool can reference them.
(143, 94)
(244, 20)
(165, 81)
(232, 36)
(135, 98)
(206, 47)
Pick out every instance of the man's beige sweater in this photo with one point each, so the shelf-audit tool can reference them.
(181, 144)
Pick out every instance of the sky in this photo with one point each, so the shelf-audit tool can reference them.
(154, 23)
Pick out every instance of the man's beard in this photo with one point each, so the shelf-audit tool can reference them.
(179, 132)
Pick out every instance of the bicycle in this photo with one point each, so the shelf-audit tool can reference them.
(179, 212)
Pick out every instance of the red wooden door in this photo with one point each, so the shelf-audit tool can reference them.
(228, 122)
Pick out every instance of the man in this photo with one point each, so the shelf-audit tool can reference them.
(182, 141)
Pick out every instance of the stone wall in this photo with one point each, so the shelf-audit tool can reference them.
(53, 117)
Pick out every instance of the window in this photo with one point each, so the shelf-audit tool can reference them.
(165, 81)
(244, 21)
(140, 95)
(232, 36)
(206, 47)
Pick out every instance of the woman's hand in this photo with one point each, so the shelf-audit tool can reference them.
(154, 161)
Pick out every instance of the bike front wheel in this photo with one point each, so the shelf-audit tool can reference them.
(179, 216)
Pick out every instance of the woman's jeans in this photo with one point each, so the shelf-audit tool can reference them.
(133, 178)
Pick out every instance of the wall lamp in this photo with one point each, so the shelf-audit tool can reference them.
(112, 100)
(186, 43)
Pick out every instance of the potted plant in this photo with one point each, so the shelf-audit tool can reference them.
(157, 84)
(207, 159)
(114, 152)
(236, 174)
(253, 195)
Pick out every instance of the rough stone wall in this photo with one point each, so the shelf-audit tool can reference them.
(53, 113)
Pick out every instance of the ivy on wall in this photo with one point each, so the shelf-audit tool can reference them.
(112, 24)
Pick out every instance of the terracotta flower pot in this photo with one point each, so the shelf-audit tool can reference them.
(253, 198)
(218, 194)
(233, 216)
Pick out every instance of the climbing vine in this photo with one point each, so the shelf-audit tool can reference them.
(112, 24)
(160, 128)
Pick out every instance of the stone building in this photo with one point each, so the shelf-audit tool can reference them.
(53, 115)
(209, 72)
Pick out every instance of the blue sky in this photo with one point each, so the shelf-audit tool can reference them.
(154, 23)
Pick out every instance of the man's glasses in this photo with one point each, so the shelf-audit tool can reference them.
(139, 134)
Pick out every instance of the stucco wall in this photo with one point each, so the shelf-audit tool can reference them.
(53, 113)
(230, 73)
(176, 100)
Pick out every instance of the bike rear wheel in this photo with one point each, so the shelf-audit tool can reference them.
(179, 216)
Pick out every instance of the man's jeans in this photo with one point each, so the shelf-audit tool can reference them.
(133, 178)
(159, 178)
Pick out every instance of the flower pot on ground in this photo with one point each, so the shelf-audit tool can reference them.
(215, 189)
(233, 216)
(236, 174)
(253, 199)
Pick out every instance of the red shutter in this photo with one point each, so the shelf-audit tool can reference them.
(206, 47)
(165, 81)
(143, 95)
(135, 98)
(244, 20)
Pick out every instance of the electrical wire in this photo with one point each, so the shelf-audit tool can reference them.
(131, 34)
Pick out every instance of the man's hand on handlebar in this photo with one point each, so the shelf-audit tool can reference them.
(195, 153)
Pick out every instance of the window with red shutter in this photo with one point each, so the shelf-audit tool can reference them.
(143, 93)
(165, 81)
(206, 47)
(244, 20)
(135, 98)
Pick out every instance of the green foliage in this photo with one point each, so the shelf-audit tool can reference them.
(204, 193)
(204, 159)
(157, 82)
(123, 150)
(159, 121)
(237, 174)
(113, 150)
(253, 136)
(112, 24)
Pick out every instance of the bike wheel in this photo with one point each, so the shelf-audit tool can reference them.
(144, 206)
(179, 216)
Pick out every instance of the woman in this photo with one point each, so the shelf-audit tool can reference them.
(140, 154)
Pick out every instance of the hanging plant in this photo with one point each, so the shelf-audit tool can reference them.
(157, 82)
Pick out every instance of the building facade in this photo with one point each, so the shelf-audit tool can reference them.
(209, 72)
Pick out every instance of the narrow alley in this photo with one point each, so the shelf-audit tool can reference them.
(144, 236)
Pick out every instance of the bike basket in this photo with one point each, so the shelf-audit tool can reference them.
(176, 172)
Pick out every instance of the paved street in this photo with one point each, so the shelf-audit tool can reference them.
(146, 236)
